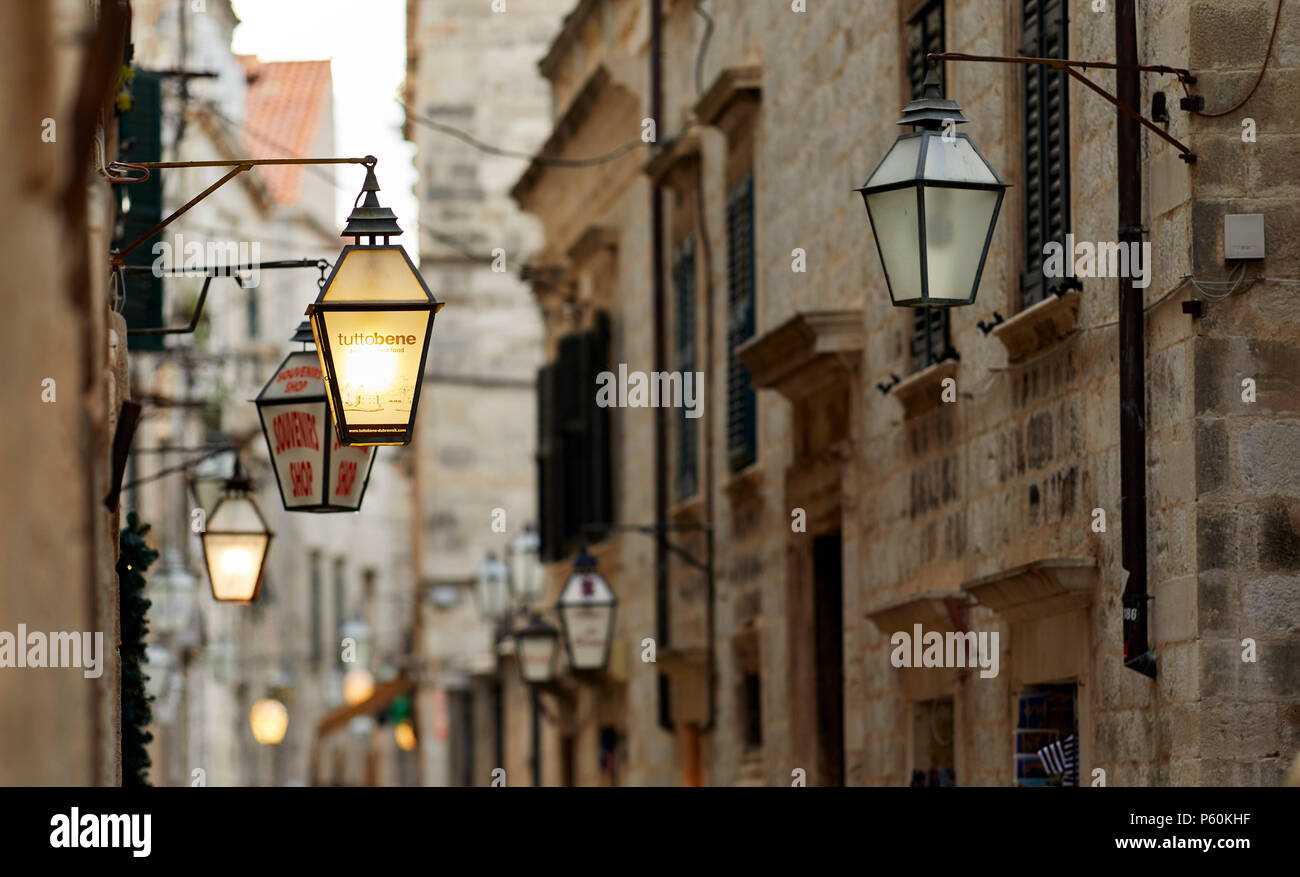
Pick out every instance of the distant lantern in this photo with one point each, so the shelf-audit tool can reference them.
(358, 687)
(526, 573)
(492, 589)
(315, 472)
(933, 202)
(235, 543)
(269, 720)
(536, 644)
(372, 324)
(586, 609)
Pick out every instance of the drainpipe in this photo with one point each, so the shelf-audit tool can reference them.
(1138, 654)
(660, 364)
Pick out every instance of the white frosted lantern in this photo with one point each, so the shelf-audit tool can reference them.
(586, 609)
(314, 470)
(372, 324)
(933, 202)
(536, 645)
(269, 720)
(526, 565)
(492, 588)
(235, 544)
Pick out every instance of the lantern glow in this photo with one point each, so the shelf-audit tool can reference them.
(235, 544)
(372, 324)
(269, 720)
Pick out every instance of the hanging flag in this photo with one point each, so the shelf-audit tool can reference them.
(1058, 758)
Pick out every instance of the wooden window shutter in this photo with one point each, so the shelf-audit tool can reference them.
(687, 480)
(930, 341)
(550, 498)
(742, 405)
(598, 492)
(1047, 136)
(140, 139)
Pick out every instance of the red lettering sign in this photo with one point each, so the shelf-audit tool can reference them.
(295, 429)
(300, 475)
(347, 478)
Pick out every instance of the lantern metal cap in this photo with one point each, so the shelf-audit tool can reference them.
(239, 483)
(368, 218)
(537, 626)
(584, 562)
(303, 333)
(931, 110)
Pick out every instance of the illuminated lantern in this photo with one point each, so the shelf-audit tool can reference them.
(358, 687)
(372, 324)
(235, 543)
(586, 609)
(269, 719)
(315, 472)
(404, 734)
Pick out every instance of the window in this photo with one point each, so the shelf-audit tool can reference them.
(1046, 720)
(931, 334)
(742, 404)
(749, 691)
(688, 451)
(316, 584)
(753, 712)
(932, 747)
(1047, 141)
(574, 472)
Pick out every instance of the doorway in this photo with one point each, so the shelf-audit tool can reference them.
(828, 625)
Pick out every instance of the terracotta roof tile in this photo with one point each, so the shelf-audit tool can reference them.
(286, 103)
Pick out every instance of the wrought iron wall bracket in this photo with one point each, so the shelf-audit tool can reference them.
(237, 166)
(652, 530)
(209, 273)
(1069, 66)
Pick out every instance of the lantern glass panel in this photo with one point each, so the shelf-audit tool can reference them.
(955, 161)
(957, 223)
(295, 435)
(377, 356)
(587, 630)
(537, 658)
(895, 222)
(899, 164)
(374, 274)
(234, 546)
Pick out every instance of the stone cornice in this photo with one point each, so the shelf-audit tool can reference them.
(803, 352)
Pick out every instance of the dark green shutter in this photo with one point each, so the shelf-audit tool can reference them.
(140, 139)
(1047, 135)
(930, 341)
(684, 306)
(550, 497)
(742, 406)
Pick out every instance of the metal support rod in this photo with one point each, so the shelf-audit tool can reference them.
(238, 166)
(209, 273)
(1069, 65)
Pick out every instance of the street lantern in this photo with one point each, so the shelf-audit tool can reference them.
(492, 588)
(372, 324)
(586, 609)
(535, 647)
(269, 720)
(314, 471)
(171, 593)
(526, 565)
(358, 686)
(933, 202)
(235, 543)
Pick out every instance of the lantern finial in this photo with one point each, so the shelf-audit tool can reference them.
(368, 218)
(932, 110)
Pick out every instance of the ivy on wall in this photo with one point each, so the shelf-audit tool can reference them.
(133, 559)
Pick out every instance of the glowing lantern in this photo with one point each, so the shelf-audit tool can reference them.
(372, 324)
(235, 543)
(269, 719)
(586, 609)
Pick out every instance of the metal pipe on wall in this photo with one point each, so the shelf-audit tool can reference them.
(1132, 354)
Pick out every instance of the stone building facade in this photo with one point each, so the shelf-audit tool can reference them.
(960, 474)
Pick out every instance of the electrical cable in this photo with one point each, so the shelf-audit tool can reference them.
(1277, 17)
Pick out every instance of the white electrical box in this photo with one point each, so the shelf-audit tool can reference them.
(1243, 236)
